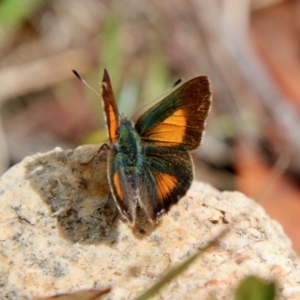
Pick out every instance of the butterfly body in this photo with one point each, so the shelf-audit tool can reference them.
(129, 144)
(149, 166)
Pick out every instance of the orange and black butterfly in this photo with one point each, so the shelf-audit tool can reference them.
(149, 165)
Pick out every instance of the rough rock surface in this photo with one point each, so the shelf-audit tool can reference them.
(59, 232)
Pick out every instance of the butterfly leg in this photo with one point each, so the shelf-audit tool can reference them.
(103, 147)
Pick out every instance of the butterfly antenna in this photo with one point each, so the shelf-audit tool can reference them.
(85, 83)
(177, 82)
(154, 100)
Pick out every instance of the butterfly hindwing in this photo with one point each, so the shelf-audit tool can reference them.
(124, 186)
(178, 120)
(167, 175)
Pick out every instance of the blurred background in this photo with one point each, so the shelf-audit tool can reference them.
(249, 49)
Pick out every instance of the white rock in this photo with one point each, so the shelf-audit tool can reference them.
(60, 233)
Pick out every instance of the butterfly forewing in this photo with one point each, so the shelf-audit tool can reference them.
(110, 108)
(179, 119)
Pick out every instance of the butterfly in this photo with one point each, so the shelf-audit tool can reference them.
(149, 165)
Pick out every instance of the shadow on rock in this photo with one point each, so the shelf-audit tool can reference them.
(74, 184)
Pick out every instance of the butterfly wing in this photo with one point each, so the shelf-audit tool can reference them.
(179, 119)
(167, 175)
(123, 185)
(168, 130)
(110, 108)
(121, 189)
